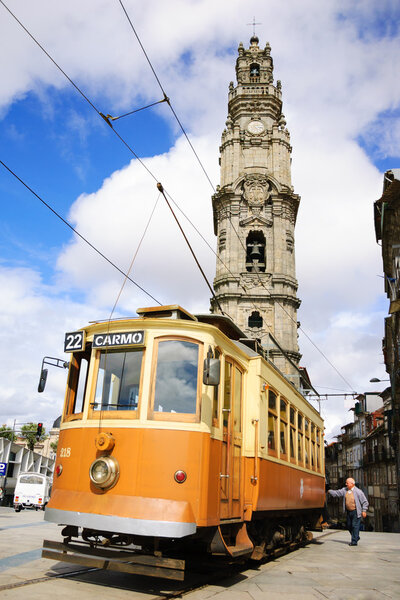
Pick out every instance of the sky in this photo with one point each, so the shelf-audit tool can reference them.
(338, 63)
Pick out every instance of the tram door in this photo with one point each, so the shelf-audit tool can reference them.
(232, 443)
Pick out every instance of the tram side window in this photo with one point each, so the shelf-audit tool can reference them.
(300, 437)
(176, 377)
(77, 381)
(272, 423)
(215, 401)
(118, 380)
(318, 450)
(292, 434)
(227, 393)
(283, 429)
(307, 442)
(313, 446)
(237, 409)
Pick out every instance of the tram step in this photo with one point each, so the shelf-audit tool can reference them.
(239, 549)
(115, 560)
(242, 546)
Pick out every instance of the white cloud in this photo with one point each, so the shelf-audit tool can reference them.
(33, 320)
(114, 220)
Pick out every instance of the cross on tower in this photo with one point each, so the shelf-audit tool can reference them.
(254, 25)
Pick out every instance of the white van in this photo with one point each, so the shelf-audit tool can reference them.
(32, 491)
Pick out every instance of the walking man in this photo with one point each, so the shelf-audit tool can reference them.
(355, 504)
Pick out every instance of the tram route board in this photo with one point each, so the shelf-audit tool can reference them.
(75, 340)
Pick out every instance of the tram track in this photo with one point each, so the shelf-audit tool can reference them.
(18, 584)
(195, 579)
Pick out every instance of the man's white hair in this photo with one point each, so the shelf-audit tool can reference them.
(350, 479)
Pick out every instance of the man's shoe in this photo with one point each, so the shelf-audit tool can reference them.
(351, 544)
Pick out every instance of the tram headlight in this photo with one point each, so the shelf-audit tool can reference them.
(104, 472)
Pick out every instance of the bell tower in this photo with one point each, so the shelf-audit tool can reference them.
(255, 210)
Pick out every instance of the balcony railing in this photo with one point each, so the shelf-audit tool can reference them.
(350, 437)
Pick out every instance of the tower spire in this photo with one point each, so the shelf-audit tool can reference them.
(255, 211)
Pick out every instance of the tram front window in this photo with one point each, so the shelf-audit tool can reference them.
(118, 380)
(176, 377)
(77, 382)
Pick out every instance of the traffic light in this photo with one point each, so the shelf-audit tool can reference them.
(39, 430)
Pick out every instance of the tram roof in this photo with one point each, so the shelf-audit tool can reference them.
(224, 324)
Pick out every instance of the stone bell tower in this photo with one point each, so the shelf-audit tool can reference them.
(255, 211)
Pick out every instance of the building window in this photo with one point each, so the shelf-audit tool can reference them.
(255, 252)
(222, 240)
(255, 320)
(254, 73)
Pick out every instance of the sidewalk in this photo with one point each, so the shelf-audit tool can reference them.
(326, 569)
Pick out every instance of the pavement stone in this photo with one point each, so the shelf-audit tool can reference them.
(327, 569)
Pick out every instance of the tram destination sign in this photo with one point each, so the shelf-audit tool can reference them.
(125, 338)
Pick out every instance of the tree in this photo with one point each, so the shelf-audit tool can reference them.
(28, 433)
(7, 432)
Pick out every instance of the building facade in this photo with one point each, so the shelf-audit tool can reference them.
(18, 459)
(255, 210)
(380, 472)
(364, 452)
(387, 230)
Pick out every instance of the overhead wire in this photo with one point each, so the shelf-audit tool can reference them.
(77, 232)
(132, 112)
(160, 187)
(134, 258)
(146, 167)
(77, 88)
(165, 95)
(106, 352)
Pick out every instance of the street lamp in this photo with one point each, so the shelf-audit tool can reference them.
(376, 380)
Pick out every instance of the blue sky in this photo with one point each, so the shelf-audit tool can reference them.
(338, 63)
(65, 150)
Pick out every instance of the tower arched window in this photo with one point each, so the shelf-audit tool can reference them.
(255, 320)
(254, 72)
(255, 252)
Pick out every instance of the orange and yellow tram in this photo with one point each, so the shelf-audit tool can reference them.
(177, 435)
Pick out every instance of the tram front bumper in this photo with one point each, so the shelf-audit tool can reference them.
(130, 515)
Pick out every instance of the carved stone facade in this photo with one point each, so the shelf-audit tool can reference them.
(255, 211)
